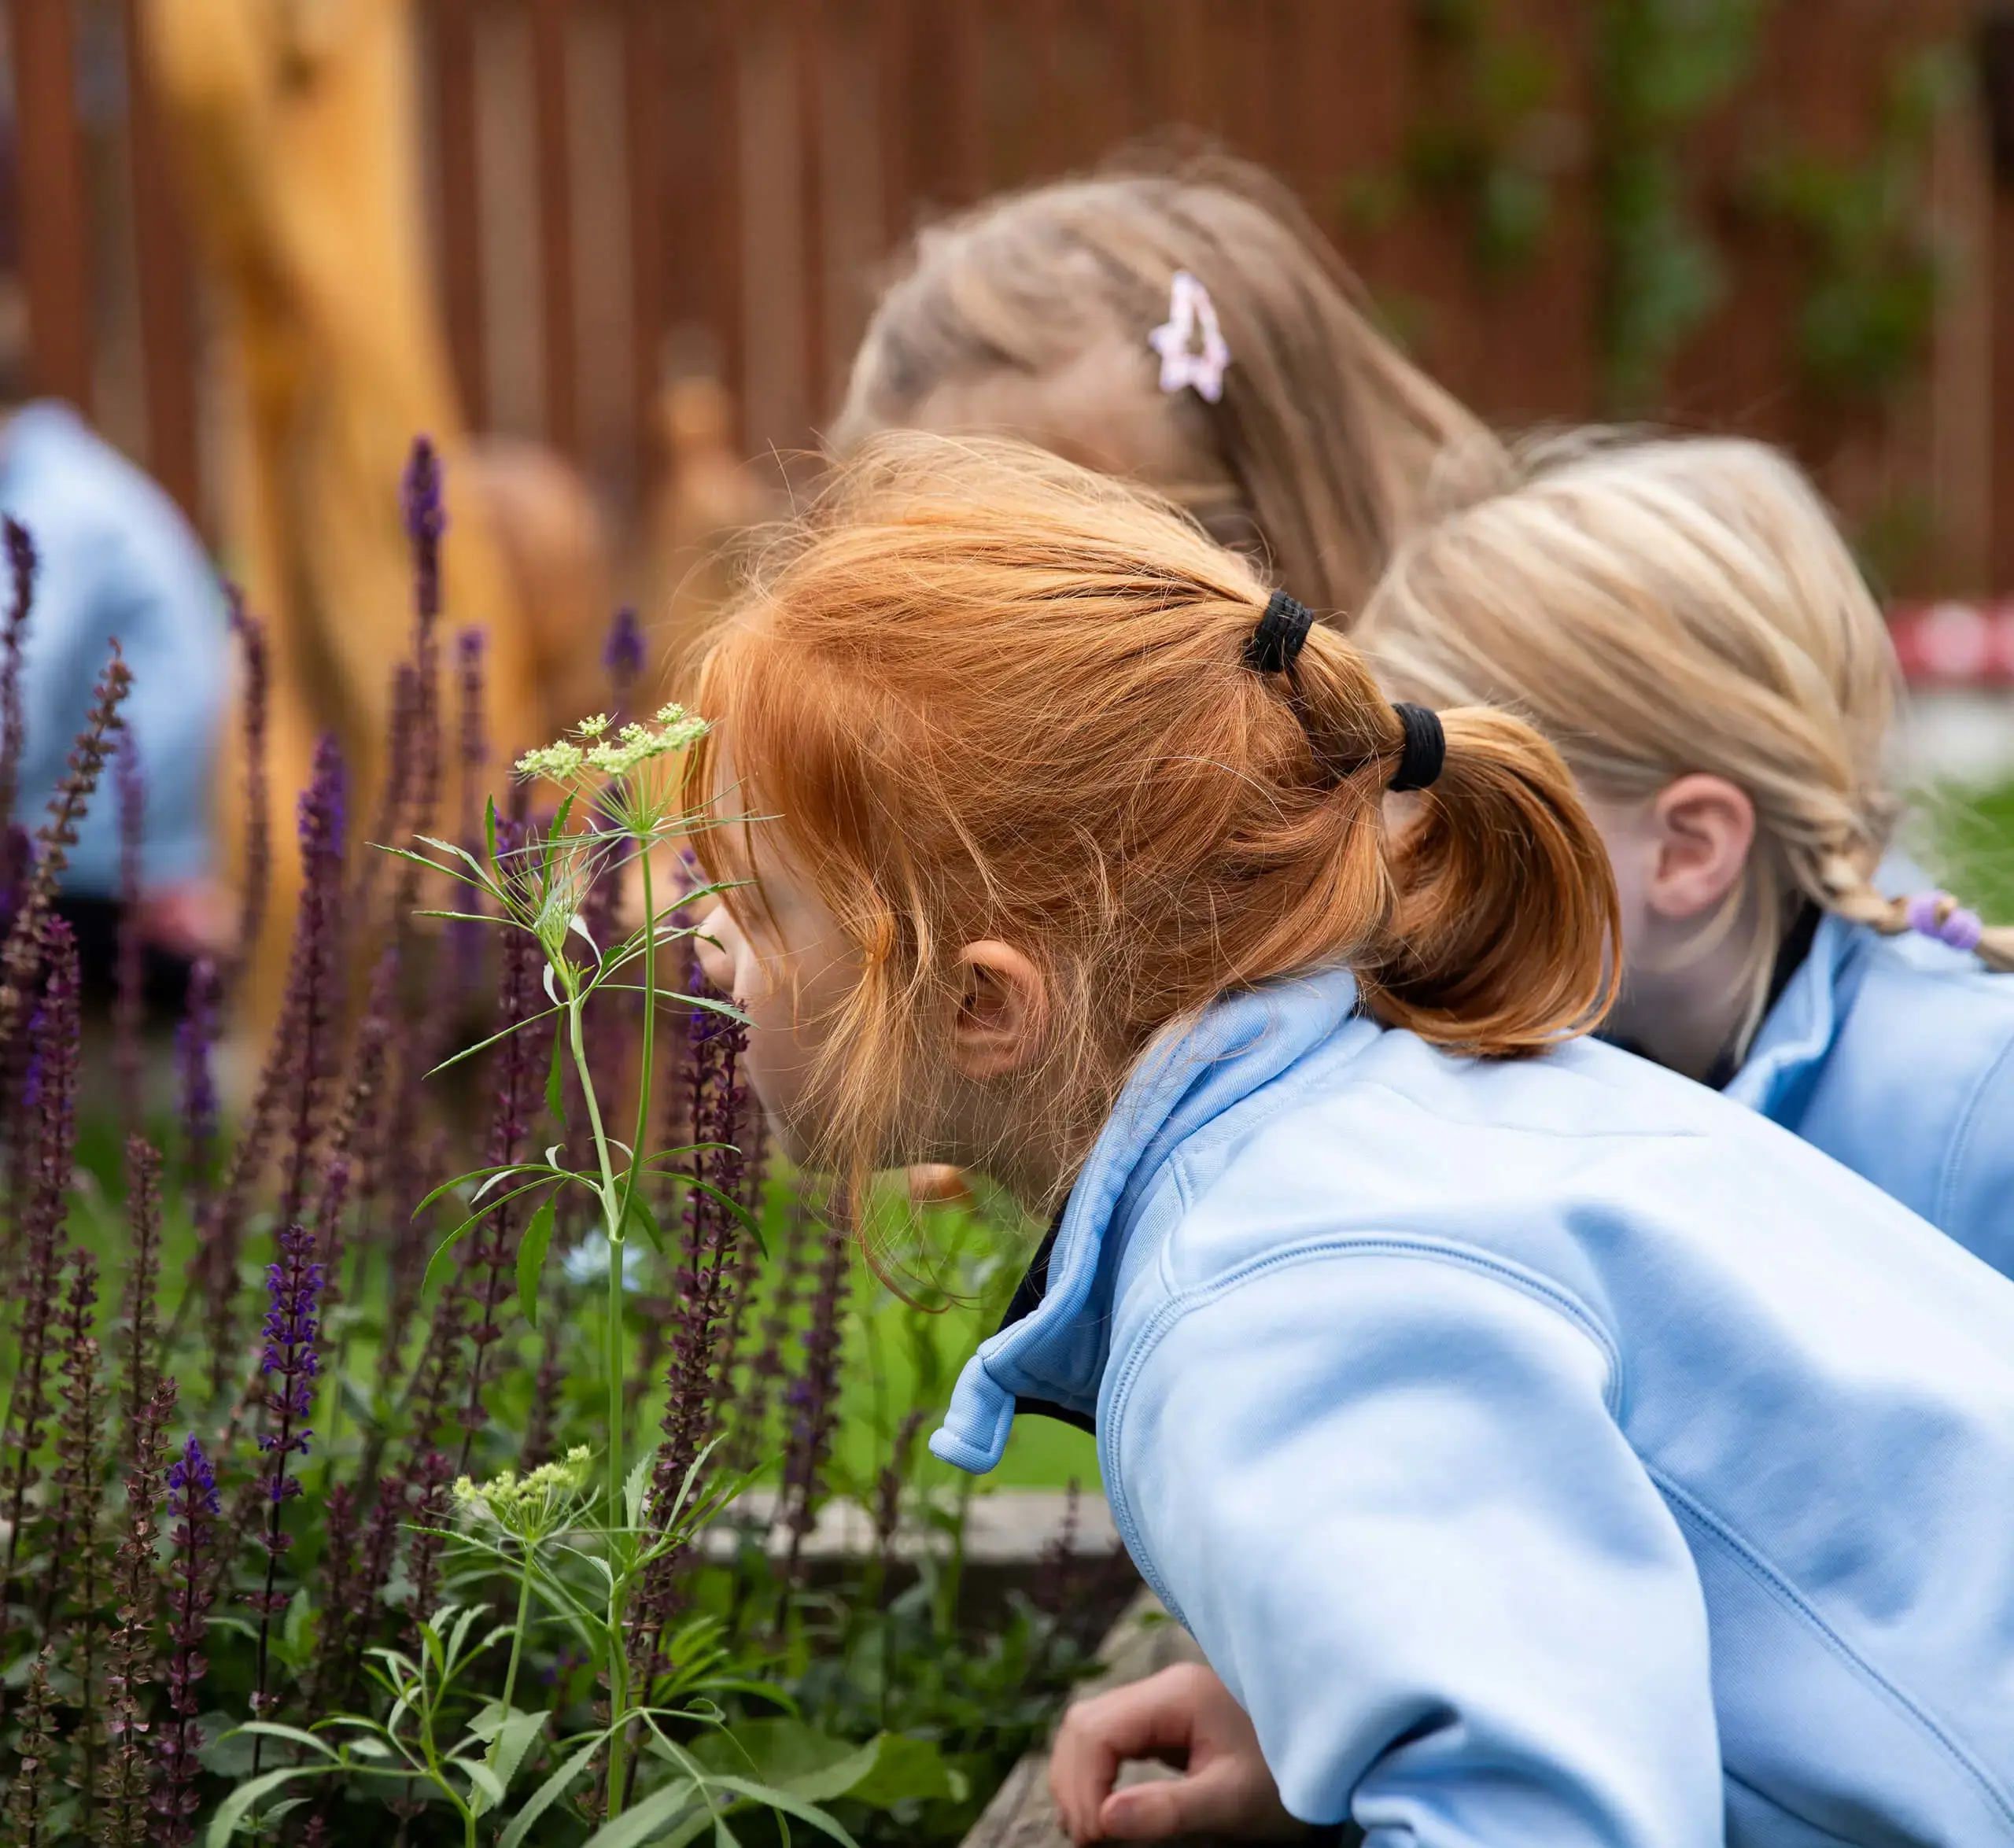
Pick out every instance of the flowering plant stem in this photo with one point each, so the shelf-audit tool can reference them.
(615, 1198)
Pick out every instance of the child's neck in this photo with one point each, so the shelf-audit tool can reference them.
(1684, 1002)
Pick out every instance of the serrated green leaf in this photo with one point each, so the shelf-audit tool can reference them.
(548, 1793)
(520, 1729)
(633, 1490)
(531, 1257)
(485, 1790)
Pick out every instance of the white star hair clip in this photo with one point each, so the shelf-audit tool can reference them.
(1189, 341)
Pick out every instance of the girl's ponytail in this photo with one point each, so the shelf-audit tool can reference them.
(1502, 935)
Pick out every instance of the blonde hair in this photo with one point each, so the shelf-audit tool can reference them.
(1665, 607)
(984, 692)
(1320, 451)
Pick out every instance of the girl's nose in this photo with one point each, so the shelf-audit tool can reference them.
(715, 963)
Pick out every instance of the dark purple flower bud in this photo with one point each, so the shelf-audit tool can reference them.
(192, 1485)
(426, 519)
(622, 653)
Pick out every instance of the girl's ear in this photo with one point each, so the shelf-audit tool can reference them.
(1703, 828)
(1003, 1011)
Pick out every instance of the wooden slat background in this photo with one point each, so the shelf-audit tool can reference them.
(620, 189)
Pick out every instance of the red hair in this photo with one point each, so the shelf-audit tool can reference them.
(985, 693)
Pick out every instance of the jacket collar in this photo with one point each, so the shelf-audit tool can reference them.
(1053, 1350)
(1798, 1032)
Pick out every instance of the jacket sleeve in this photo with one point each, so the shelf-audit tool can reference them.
(1387, 1493)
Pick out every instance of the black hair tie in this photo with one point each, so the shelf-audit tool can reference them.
(1278, 637)
(1425, 750)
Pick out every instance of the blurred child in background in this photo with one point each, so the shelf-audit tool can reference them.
(1546, 1450)
(116, 559)
(1685, 621)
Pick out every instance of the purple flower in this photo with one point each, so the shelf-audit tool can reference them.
(128, 1004)
(289, 1367)
(426, 519)
(195, 1041)
(252, 729)
(290, 1364)
(22, 954)
(622, 653)
(192, 1485)
(192, 1507)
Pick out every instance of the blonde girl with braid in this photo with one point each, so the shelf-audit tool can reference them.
(1683, 622)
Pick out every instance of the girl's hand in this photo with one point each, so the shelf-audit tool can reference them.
(1185, 1716)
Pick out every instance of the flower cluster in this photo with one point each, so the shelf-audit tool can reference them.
(591, 750)
(532, 1506)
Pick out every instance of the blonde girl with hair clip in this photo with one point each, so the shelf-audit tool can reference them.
(1431, 1344)
(1188, 329)
(1683, 622)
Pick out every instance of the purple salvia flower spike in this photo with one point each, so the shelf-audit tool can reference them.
(193, 1506)
(289, 1367)
(256, 873)
(128, 1001)
(622, 653)
(425, 520)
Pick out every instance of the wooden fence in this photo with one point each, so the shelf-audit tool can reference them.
(623, 187)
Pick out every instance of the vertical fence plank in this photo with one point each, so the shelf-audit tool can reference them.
(968, 93)
(168, 349)
(55, 224)
(461, 232)
(808, 49)
(555, 221)
(645, 98)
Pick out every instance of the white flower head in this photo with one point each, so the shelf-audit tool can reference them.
(1191, 345)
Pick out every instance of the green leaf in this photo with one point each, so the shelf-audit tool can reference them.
(486, 1790)
(436, 1265)
(906, 1769)
(555, 1101)
(773, 1798)
(531, 1257)
(241, 1802)
(643, 1820)
(519, 1729)
(638, 1213)
(633, 1490)
(548, 1793)
(790, 1755)
(489, 827)
(272, 1729)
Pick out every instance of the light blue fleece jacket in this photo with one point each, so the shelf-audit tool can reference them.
(1546, 1453)
(1896, 1056)
(116, 559)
